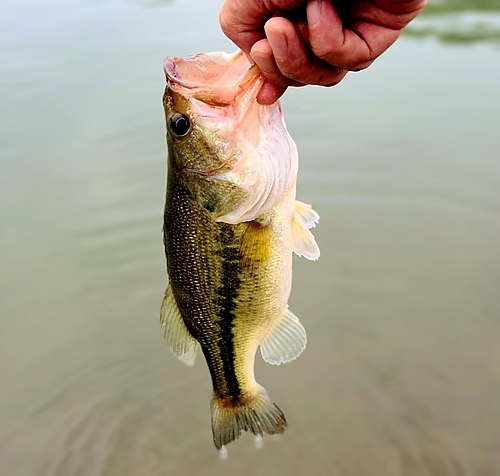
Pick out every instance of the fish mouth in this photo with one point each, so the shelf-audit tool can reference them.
(217, 79)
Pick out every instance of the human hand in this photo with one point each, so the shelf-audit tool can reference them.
(299, 42)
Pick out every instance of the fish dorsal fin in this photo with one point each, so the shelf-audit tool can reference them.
(182, 343)
(285, 341)
(304, 243)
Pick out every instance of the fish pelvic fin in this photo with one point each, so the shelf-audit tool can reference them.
(285, 341)
(257, 414)
(182, 343)
(304, 218)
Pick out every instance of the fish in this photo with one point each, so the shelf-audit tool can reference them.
(231, 225)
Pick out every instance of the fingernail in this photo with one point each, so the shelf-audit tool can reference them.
(278, 42)
(265, 63)
(249, 58)
(314, 11)
(262, 54)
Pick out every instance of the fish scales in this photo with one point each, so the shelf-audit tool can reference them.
(231, 224)
(222, 282)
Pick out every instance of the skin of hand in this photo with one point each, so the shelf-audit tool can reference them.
(299, 42)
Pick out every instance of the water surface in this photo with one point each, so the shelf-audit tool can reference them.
(401, 375)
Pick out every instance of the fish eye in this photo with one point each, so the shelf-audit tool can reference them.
(180, 125)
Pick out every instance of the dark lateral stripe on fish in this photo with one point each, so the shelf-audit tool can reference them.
(227, 294)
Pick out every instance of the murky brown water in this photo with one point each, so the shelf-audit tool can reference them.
(402, 371)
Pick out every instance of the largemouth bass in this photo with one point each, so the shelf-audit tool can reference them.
(231, 224)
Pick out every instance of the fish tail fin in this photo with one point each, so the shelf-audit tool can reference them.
(257, 414)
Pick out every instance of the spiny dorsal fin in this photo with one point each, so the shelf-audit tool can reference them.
(285, 341)
(304, 243)
(182, 343)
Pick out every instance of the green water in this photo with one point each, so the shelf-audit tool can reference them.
(401, 375)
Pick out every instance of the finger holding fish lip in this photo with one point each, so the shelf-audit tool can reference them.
(269, 93)
(262, 54)
(275, 84)
(294, 64)
(278, 45)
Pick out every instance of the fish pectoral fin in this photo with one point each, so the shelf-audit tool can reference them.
(306, 214)
(182, 343)
(304, 243)
(285, 341)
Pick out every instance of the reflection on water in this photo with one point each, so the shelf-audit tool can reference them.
(401, 373)
(458, 21)
(151, 3)
(458, 27)
(446, 6)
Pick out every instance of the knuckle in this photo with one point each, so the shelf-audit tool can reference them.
(324, 51)
(288, 69)
(340, 57)
(331, 80)
(361, 66)
(331, 76)
(225, 24)
(279, 80)
(228, 24)
(277, 76)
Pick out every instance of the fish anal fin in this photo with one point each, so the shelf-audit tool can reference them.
(304, 243)
(285, 341)
(257, 414)
(189, 357)
(182, 343)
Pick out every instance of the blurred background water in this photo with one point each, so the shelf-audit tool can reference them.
(402, 371)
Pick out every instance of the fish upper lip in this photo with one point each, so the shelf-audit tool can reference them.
(206, 89)
(170, 73)
(222, 60)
